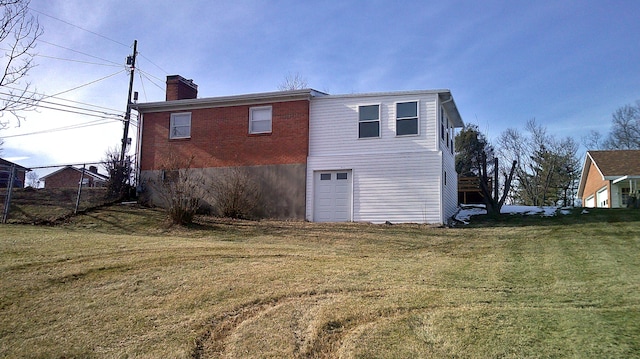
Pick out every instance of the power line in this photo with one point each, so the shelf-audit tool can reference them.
(78, 27)
(87, 84)
(99, 113)
(77, 61)
(79, 52)
(65, 128)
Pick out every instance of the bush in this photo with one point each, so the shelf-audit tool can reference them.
(181, 188)
(236, 193)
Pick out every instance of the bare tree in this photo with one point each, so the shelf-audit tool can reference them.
(19, 32)
(547, 167)
(625, 128)
(33, 180)
(293, 82)
(119, 184)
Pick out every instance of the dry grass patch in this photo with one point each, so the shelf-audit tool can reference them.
(120, 282)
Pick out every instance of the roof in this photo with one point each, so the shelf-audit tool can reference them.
(4, 162)
(445, 96)
(223, 101)
(612, 165)
(88, 173)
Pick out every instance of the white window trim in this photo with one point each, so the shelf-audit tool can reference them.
(260, 108)
(171, 125)
(395, 109)
(379, 121)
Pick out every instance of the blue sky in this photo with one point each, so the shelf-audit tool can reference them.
(568, 64)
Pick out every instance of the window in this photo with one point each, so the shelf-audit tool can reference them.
(625, 192)
(180, 125)
(260, 119)
(369, 121)
(407, 118)
(341, 176)
(325, 177)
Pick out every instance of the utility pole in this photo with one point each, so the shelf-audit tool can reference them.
(131, 61)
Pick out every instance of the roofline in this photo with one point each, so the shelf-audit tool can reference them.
(224, 101)
(86, 172)
(588, 160)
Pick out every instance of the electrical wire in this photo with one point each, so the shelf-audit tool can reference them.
(99, 113)
(76, 26)
(87, 84)
(77, 61)
(65, 128)
(79, 52)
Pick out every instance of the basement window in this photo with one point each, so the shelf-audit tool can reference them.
(180, 125)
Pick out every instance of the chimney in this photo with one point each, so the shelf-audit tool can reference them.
(93, 169)
(179, 88)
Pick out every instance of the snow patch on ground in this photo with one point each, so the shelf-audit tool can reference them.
(468, 211)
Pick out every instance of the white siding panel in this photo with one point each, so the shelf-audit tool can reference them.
(387, 187)
(333, 126)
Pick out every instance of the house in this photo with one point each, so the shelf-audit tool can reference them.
(610, 179)
(5, 174)
(382, 157)
(360, 157)
(69, 177)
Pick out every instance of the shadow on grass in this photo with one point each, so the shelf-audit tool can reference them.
(577, 216)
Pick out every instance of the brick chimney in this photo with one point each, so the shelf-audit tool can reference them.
(179, 88)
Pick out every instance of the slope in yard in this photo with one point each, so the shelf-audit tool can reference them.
(117, 282)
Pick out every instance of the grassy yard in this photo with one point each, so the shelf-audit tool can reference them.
(117, 282)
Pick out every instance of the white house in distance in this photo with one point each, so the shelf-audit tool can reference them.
(382, 157)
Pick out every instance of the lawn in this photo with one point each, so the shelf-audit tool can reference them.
(118, 282)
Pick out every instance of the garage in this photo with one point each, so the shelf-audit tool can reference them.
(332, 196)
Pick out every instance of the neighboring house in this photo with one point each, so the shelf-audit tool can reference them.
(610, 179)
(361, 157)
(5, 173)
(69, 177)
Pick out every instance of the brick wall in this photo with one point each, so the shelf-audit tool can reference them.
(67, 178)
(594, 184)
(220, 137)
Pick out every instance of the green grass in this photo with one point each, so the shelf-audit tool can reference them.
(118, 282)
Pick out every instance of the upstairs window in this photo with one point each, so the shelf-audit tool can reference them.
(180, 125)
(260, 119)
(407, 118)
(369, 121)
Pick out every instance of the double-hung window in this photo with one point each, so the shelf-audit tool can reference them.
(369, 121)
(260, 119)
(180, 125)
(406, 118)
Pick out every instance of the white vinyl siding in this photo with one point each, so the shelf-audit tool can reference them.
(180, 125)
(386, 189)
(333, 126)
(396, 178)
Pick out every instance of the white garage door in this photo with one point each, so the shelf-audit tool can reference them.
(602, 198)
(332, 196)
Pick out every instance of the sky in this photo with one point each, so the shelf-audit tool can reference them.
(568, 64)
